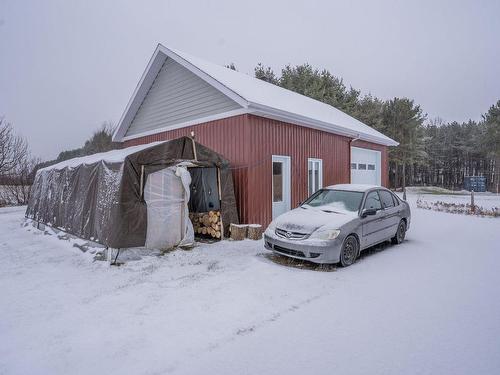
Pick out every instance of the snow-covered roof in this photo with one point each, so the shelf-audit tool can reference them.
(352, 187)
(113, 156)
(255, 96)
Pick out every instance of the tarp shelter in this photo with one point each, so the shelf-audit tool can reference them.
(135, 196)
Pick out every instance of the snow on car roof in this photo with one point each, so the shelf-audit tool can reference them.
(113, 156)
(352, 187)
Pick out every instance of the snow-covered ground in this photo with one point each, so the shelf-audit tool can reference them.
(428, 306)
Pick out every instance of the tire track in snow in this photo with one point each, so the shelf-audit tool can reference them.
(245, 331)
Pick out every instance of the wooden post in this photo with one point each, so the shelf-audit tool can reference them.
(220, 205)
(194, 147)
(472, 206)
(142, 181)
(404, 193)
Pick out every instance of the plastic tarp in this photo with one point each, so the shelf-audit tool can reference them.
(101, 198)
(167, 195)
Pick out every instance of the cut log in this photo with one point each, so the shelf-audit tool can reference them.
(254, 231)
(238, 231)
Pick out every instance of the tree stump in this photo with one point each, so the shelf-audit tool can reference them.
(238, 231)
(254, 231)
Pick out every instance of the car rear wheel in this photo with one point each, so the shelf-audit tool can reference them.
(400, 234)
(349, 252)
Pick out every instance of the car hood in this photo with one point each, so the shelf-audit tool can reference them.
(307, 220)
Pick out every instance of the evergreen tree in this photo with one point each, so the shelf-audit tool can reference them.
(266, 74)
(491, 141)
(319, 85)
(402, 120)
(100, 141)
(369, 111)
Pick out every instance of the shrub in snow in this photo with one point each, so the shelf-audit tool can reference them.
(458, 208)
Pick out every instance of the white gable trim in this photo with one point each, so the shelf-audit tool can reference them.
(149, 75)
(187, 123)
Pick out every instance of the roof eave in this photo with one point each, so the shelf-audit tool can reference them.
(265, 111)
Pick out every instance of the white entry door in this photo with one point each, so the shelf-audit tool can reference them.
(281, 185)
(365, 166)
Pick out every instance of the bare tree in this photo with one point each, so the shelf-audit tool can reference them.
(16, 167)
(17, 185)
(13, 148)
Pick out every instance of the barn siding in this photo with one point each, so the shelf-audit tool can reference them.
(249, 142)
(177, 96)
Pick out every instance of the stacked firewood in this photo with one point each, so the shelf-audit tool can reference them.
(207, 223)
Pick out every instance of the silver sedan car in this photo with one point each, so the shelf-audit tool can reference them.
(336, 223)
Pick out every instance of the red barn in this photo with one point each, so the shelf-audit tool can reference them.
(283, 146)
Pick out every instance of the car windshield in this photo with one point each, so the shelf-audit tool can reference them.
(336, 200)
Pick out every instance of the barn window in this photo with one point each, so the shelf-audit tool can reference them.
(353, 165)
(314, 175)
(362, 166)
(277, 181)
(371, 167)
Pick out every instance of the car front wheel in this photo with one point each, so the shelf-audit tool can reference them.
(400, 234)
(349, 252)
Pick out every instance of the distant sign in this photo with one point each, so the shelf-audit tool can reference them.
(476, 183)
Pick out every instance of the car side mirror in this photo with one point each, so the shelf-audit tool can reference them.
(368, 212)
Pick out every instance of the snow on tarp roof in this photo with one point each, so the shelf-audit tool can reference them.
(255, 96)
(113, 156)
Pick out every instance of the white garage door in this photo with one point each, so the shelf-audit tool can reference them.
(365, 166)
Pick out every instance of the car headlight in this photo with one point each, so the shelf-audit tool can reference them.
(272, 227)
(326, 234)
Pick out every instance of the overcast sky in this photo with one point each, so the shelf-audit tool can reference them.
(67, 66)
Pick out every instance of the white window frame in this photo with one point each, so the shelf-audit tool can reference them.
(320, 175)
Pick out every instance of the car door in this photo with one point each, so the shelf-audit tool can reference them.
(391, 213)
(372, 225)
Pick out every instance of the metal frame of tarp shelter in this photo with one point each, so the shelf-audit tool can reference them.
(100, 198)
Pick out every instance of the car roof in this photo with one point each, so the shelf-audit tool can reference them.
(353, 187)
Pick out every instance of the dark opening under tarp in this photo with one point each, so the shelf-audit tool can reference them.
(99, 197)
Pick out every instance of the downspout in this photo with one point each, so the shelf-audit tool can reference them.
(350, 154)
